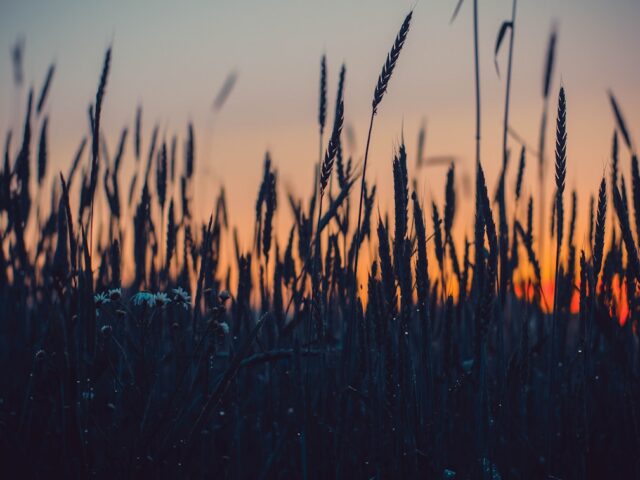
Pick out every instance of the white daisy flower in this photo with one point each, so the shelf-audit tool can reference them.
(161, 299)
(100, 299)
(114, 294)
(141, 298)
(181, 296)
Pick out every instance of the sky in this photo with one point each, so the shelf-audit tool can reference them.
(172, 57)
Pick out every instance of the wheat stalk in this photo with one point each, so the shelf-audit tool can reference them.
(381, 88)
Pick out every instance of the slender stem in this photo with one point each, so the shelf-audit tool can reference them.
(508, 88)
(555, 302)
(477, 75)
(316, 243)
(551, 376)
(362, 185)
(266, 277)
(316, 180)
(162, 252)
(316, 259)
(504, 166)
(320, 148)
(91, 227)
(482, 447)
(541, 178)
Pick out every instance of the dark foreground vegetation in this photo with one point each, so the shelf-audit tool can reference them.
(446, 361)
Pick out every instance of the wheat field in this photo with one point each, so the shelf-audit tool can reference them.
(140, 341)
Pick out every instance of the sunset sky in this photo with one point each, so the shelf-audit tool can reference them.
(172, 57)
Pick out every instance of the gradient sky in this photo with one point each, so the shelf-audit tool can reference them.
(173, 57)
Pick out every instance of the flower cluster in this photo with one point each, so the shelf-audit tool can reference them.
(112, 295)
(161, 299)
(179, 297)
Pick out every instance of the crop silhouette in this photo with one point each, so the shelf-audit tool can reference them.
(450, 358)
